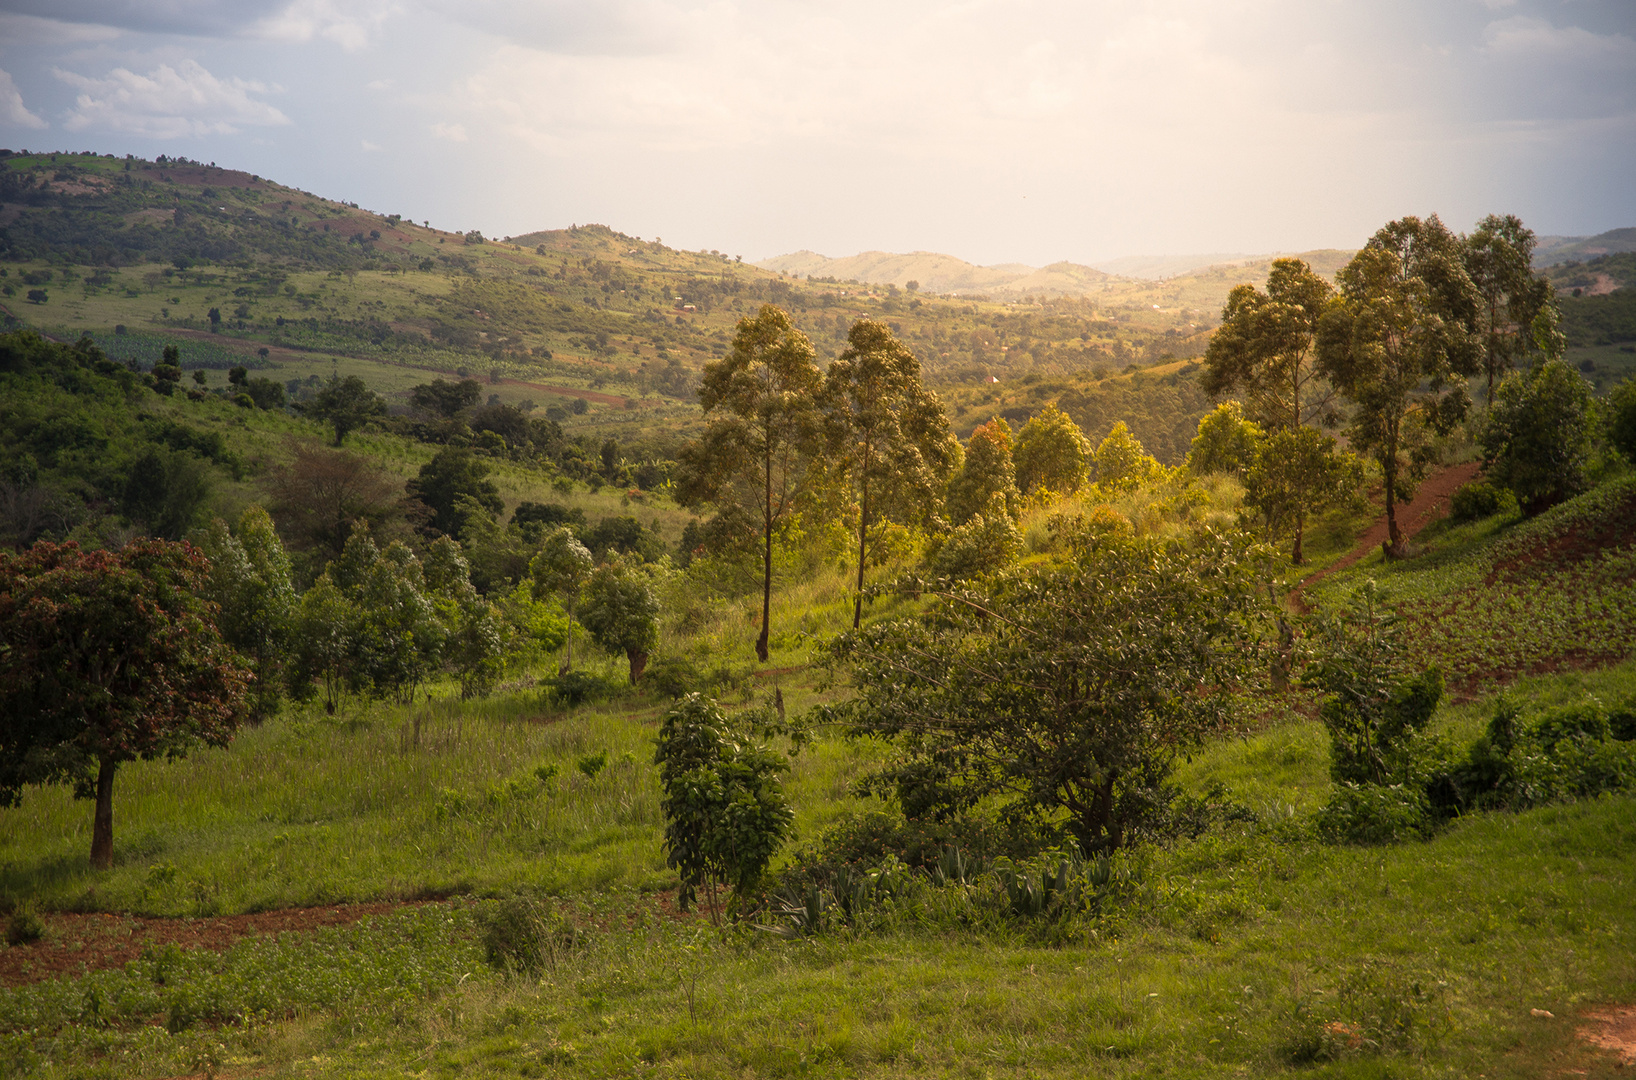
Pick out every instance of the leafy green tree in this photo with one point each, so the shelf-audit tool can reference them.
(251, 585)
(454, 473)
(166, 491)
(1299, 472)
(1399, 345)
(1375, 701)
(1121, 462)
(1539, 435)
(621, 612)
(985, 544)
(986, 479)
(108, 657)
(1226, 442)
(1264, 348)
(762, 427)
(326, 626)
(1061, 694)
(345, 404)
(725, 811)
(1621, 419)
(445, 400)
(400, 637)
(1499, 259)
(1051, 454)
(561, 569)
(888, 434)
(477, 646)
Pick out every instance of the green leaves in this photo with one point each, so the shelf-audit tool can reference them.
(725, 811)
(1538, 436)
(1060, 693)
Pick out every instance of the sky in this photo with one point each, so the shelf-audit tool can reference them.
(1024, 131)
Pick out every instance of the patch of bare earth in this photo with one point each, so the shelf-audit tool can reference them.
(1614, 1030)
(76, 943)
(1431, 502)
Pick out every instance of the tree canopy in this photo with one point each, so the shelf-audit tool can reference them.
(108, 657)
(1051, 454)
(887, 433)
(1264, 348)
(762, 426)
(1399, 344)
(1063, 694)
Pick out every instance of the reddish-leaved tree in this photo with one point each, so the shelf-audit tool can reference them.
(107, 657)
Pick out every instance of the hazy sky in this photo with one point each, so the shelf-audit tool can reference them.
(1017, 131)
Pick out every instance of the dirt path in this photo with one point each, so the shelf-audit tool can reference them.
(77, 942)
(1430, 503)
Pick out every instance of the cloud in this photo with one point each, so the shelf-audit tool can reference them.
(206, 18)
(12, 111)
(351, 24)
(452, 132)
(169, 102)
(370, 148)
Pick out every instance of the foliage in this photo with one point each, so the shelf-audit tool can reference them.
(1374, 702)
(319, 496)
(985, 482)
(107, 657)
(323, 631)
(985, 544)
(1051, 454)
(1062, 693)
(1538, 436)
(1264, 348)
(1299, 472)
(621, 612)
(445, 400)
(888, 434)
(560, 569)
(346, 404)
(1479, 499)
(766, 426)
(1499, 257)
(525, 936)
(251, 586)
(1226, 442)
(1621, 419)
(725, 811)
(1399, 343)
(455, 486)
(1121, 462)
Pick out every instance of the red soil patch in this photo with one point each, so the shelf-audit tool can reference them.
(1430, 504)
(74, 944)
(1613, 1029)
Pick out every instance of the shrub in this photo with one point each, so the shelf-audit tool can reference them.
(1374, 814)
(522, 935)
(572, 688)
(1480, 499)
(24, 927)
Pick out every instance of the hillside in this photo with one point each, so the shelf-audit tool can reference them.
(1552, 250)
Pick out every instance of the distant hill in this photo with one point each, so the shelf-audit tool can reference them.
(945, 274)
(937, 273)
(1552, 250)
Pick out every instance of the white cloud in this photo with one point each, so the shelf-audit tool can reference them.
(169, 102)
(33, 30)
(369, 147)
(351, 24)
(12, 111)
(452, 132)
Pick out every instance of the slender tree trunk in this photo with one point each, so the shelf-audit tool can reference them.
(639, 663)
(863, 541)
(102, 822)
(568, 663)
(1300, 527)
(766, 558)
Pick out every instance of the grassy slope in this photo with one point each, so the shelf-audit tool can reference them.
(1231, 954)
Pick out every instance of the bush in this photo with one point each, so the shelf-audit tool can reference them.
(24, 927)
(1374, 814)
(1480, 499)
(571, 688)
(521, 935)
